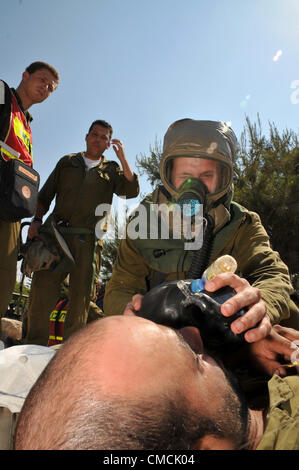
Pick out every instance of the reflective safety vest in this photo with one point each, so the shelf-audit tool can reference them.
(57, 319)
(19, 136)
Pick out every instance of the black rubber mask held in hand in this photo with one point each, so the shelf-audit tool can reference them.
(173, 304)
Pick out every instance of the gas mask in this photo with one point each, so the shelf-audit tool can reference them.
(48, 252)
(191, 196)
(207, 140)
(176, 305)
(193, 188)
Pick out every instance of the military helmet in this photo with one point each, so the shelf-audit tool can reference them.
(212, 140)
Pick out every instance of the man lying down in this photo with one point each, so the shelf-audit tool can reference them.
(125, 382)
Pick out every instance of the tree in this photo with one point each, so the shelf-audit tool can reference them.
(266, 181)
(149, 165)
(20, 296)
(110, 248)
(109, 252)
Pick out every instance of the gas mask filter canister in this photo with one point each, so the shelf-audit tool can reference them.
(191, 196)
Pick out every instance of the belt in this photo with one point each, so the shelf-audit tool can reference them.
(74, 230)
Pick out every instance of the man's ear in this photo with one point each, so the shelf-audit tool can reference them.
(25, 76)
(211, 442)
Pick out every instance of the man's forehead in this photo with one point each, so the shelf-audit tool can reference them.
(100, 129)
(47, 74)
(142, 355)
(195, 160)
(138, 334)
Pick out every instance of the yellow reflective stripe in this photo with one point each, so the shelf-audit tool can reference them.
(10, 155)
(62, 314)
(9, 150)
(60, 338)
(22, 133)
(52, 316)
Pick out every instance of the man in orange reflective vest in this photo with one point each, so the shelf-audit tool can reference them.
(38, 82)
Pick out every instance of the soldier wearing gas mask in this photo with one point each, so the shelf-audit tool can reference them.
(197, 168)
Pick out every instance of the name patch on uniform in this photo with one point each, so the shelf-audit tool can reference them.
(27, 173)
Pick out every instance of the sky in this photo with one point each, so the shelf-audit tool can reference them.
(141, 65)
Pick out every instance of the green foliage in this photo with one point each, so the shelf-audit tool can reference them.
(20, 297)
(149, 165)
(108, 258)
(266, 181)
(25, 288)
(109, 253)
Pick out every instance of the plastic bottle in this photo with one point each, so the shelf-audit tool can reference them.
(224, 264)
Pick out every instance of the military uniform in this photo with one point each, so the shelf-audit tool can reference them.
(146, 261)
(282, 428)
(137, 270)
(78, 192)
(9, 231)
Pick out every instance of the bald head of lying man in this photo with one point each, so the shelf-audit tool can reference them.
(124, 382)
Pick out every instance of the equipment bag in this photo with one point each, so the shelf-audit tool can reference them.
(19, 184)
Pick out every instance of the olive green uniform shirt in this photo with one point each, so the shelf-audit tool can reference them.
(79, 191)
(282, 428)
(243, 237)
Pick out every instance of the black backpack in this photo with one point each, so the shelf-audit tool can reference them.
(19, 183)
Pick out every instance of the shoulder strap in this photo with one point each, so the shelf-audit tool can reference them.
(5, 107)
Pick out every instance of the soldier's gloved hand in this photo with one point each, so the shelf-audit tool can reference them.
(255, 319)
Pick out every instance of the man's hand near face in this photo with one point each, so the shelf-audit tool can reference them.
(255, 319)
(267, 355)
(279, 347)
(133, 306)
(119, 150)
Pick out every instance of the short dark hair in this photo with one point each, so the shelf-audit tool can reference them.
(42, 65)
(100, 122)
(88, 418)
(118, 423)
